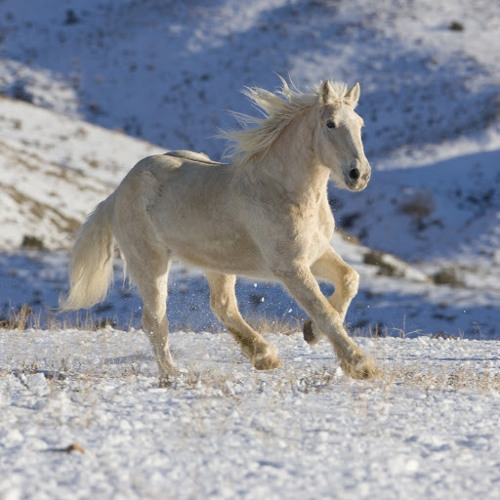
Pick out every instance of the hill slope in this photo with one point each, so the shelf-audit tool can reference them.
(167, 72)
(55, 170)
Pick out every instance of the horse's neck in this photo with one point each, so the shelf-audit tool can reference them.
(292, 164)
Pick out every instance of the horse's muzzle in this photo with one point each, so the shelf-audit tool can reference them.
(358, 176)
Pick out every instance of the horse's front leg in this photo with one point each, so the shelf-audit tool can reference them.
(331, 267)
(303, 286)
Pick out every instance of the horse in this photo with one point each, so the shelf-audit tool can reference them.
(264, 214)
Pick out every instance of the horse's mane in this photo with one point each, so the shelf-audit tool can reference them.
(279, 109)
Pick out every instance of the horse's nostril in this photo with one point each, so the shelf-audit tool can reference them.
(354, 174)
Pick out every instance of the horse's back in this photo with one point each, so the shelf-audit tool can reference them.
(192, 155)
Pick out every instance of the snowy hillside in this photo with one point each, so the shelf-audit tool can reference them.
(54, 171)
(166, 70)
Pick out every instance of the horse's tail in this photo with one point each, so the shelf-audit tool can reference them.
(91, 264)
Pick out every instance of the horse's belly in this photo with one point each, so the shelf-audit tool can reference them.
(230, 256)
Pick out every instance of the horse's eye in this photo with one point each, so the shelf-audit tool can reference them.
(330, 124)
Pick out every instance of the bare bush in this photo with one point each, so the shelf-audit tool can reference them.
(419, 204)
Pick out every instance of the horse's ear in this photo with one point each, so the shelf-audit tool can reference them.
(352, 97)
(325, 92)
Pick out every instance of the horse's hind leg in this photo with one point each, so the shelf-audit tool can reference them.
(149, 270)
(224, 305)
(344, 278)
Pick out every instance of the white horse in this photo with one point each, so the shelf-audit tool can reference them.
(265, 215)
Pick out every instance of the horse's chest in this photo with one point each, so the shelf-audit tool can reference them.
(314, 233)
(316, 245)
(317, 222)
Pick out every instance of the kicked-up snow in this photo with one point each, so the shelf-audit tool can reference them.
(82, 417)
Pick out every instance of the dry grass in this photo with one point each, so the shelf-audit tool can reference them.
(17, 319)
(24, 317)
(385, 268)
(447, 276)
(279, 326)
(419, 204)
(438, 378)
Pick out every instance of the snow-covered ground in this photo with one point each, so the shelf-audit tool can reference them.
(90, 87)
(427, 429)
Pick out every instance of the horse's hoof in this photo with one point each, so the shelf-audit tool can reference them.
(308, 332)
(267, 360)
(267, 363)
(163, 383)
(167, 380)
(362, 369)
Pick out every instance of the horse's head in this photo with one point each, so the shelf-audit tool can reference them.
(339, 145)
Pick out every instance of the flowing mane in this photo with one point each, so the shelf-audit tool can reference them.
(279, 109)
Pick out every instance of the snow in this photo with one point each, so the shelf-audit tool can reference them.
(59, 169)
(428, 428)
(88, 89)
